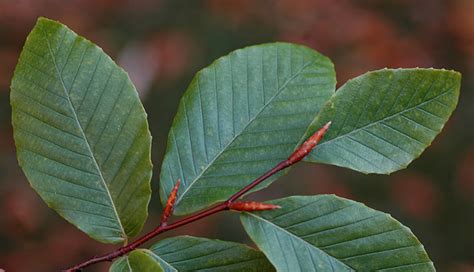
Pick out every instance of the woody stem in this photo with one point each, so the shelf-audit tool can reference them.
(297, 156)
(164, 228)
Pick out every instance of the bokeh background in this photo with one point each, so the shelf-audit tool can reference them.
(162, 44)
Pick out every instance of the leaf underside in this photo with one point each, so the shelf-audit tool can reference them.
(239, 117)
(139, 260)
(81, 133)
(328, 233)
(83, 142)
(187, 253)
(383, 120)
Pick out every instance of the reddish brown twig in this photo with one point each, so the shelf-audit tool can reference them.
(297, 156)
(168, 210)
(252, 206)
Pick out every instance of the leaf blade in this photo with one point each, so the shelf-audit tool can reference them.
(401, 111)
(137, 260)
(72, 130)
(329, 233)
(187, 253)
(239, 117)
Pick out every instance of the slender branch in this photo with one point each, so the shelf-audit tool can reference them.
(297, 156)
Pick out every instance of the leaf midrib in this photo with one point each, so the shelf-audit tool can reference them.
(280, 89)
(298, 238)
(76, 119)
(128, 264)
(154, 255)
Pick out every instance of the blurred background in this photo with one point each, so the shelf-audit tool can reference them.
(162, 44)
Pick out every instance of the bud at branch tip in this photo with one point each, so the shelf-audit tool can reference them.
(170, 203)
(308, 145)
(251, 206)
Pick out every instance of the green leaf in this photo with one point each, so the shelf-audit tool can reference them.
(81, 133)
(187, 253)
(139, 260)
(383, 120)
(328, 233)
(239, 117)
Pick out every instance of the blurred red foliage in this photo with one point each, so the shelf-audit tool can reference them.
(466, 174)
(460, 22)
(416, 195)
(23, 217)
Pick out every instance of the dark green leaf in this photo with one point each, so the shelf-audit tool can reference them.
(383, 120)
(328, 233)
(81, 133)
(239, 117)
(186, 253)
(139, 260)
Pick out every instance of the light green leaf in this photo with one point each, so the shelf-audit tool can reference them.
(81, 133)
(329, 233)
(239, 117)
(187, 253)
(139, 260)
(383, 120)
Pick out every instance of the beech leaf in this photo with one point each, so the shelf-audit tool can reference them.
(81, 133)
(383, 120)
(139, 260)
(187, 253)
(329, 233)
(239, 117)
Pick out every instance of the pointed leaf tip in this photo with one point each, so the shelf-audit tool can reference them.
(382, 129)
(80, 152)
(335, 234)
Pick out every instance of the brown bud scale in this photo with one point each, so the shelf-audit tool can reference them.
(251, 206)
(308, 145)
(170, 203)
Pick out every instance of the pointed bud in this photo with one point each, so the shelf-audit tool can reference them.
(251, 206)
(170, 203)
(308, 145)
